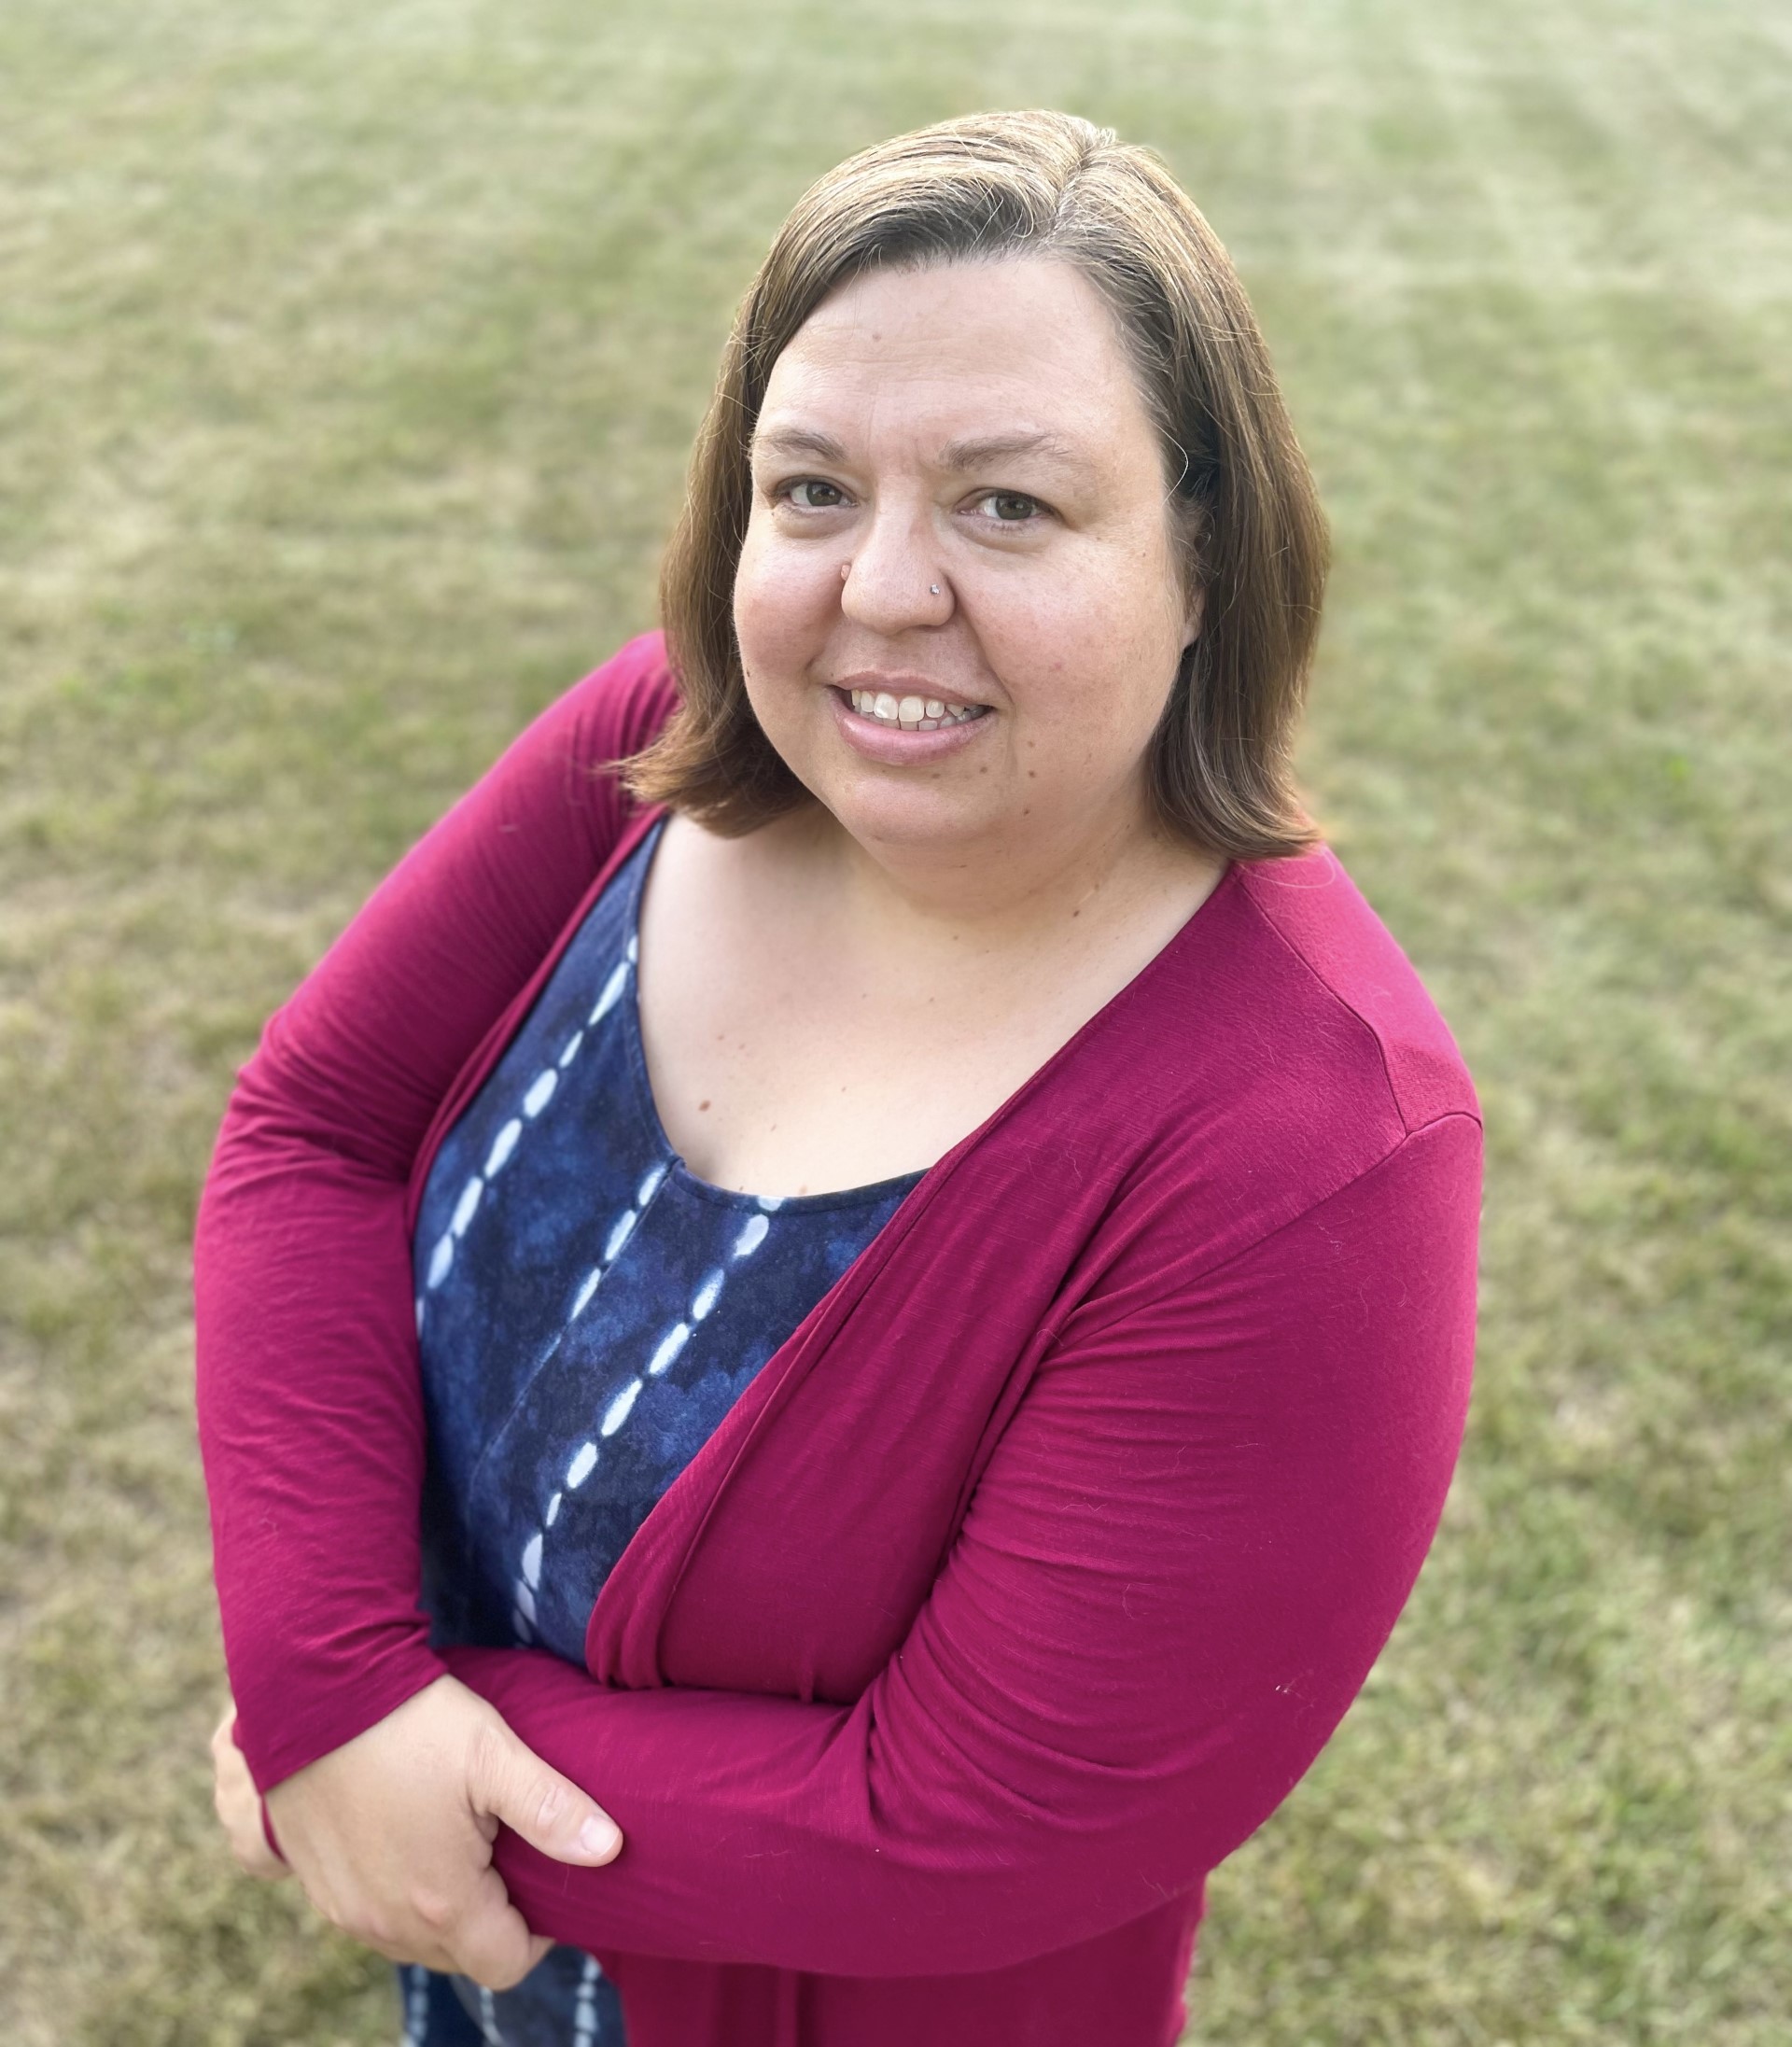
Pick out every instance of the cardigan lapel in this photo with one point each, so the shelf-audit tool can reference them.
(792, 1553)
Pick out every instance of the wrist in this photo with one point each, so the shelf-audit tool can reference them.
(283, 1727)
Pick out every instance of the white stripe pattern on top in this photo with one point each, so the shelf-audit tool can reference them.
(622, 1402)
(584, 2009)
(536, 1100)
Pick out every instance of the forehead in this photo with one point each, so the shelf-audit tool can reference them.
(960, 352)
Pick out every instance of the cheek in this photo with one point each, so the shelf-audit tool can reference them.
(1101, 650)
(784, 598)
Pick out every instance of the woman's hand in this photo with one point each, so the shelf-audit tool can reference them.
(391, 1834)
(238, 1804)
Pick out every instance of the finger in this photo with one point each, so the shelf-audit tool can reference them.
(253, 1860)
(490, 1943)
(243, 1834)
(510, 1783)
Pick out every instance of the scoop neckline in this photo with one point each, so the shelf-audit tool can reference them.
(864, 1195)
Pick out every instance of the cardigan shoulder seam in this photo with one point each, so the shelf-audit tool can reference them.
(1345, 1004)
(1344, 1187)
(1294, 952)
(1406, 1138)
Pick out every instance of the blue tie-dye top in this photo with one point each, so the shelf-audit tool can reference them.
(588, 1310)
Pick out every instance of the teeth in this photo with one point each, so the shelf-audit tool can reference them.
(913, 713)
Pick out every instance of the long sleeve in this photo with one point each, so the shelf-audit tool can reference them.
(1192, 1541)
(308, 1402)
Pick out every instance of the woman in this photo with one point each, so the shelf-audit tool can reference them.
(939, 1228)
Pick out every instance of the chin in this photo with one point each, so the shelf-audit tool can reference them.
(913, 819)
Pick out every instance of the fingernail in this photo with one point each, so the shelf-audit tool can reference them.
(599, 1839)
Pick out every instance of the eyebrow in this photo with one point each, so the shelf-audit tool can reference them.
(980, 452)
(984, 452)
(799, 440)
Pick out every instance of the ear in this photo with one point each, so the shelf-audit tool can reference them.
(1192, 616)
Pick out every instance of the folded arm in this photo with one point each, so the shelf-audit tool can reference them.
(309, 1411)
(1185, 1554)
(1182, 1561)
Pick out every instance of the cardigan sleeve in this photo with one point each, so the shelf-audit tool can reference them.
(1189, 1546)
(309, 1414)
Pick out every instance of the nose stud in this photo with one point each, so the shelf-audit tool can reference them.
(845, 570)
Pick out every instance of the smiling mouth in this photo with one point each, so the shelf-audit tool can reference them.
(909, 713)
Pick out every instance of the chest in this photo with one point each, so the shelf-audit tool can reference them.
(761, 1091)
(588, 1312)
(789, 1057)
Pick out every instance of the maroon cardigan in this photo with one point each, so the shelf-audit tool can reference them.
(1027, 1577)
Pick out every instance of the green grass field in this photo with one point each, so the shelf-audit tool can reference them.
(348, 360)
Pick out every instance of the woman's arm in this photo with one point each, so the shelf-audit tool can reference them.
(1190, 1545)
(309, 1414)
(1185, 1554)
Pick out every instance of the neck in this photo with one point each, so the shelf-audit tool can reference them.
(1003, 898)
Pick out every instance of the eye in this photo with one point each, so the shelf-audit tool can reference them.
(1009, 507)
(810, 494)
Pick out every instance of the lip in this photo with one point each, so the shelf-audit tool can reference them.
(889, 743)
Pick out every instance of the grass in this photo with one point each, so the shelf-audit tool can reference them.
(348, 358)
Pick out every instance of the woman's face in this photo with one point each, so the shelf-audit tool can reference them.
(959, 499)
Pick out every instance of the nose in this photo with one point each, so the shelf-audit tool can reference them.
(893, 581)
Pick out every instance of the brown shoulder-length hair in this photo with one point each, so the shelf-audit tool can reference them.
(1252, 535)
